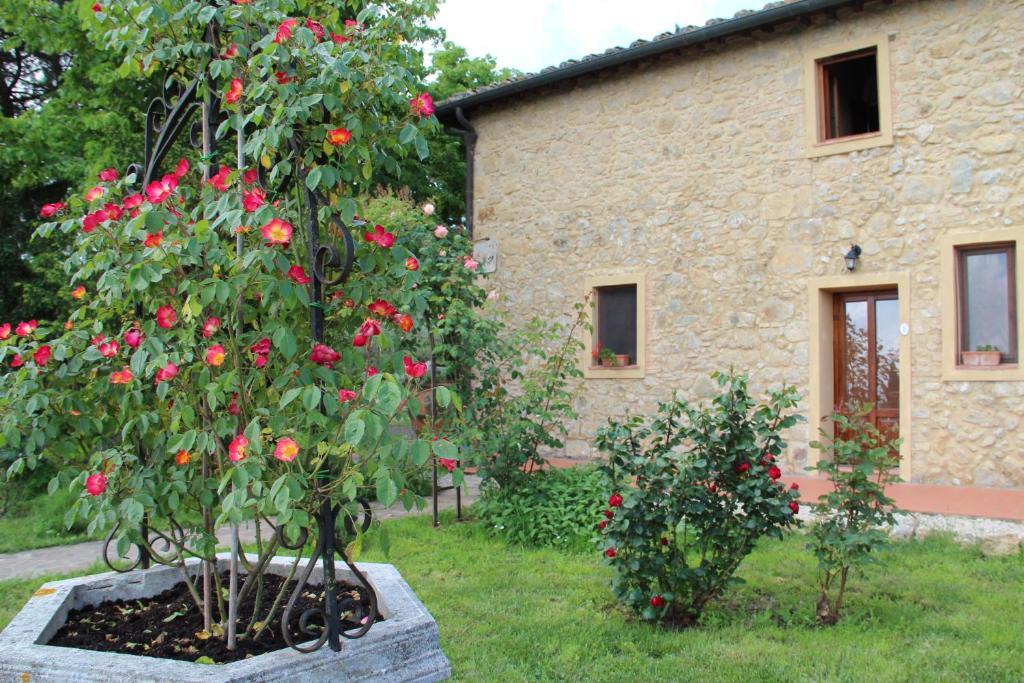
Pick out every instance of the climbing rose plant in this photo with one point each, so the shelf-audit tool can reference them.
(186, 390)
(694, 488)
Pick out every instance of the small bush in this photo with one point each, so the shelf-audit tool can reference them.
(694, 489)
(853, 519)
(555, 508)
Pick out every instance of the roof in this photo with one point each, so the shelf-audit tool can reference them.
(744, 21)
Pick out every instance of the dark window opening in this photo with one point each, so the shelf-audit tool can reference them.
(987, 300)
(616, 322)
(849, 95)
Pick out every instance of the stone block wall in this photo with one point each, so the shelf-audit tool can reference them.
(694, 167)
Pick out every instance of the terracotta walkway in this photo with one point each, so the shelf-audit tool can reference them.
(80, 556)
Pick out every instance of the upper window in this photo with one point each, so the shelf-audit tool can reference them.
(847, 97)
(848, 91)
(615, 343)
(987, 302)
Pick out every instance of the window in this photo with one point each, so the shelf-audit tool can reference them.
(847, 97)
(616, 326)
(987, 304)
(849, 94)
(981, 331)
(615, 346)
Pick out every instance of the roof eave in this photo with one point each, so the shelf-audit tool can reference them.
(749, 22)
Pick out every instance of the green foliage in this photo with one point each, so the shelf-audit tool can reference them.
(704, 490)
(78, 113)
(853, 519)
(556, 508)
(523, 397)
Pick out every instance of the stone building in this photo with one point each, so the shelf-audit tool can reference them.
(707, 187)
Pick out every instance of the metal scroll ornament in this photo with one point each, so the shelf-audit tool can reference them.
(347, 612)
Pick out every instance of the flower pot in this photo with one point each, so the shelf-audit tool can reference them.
(607, 363)
(622, 359)
(403, 647)
(980, 359)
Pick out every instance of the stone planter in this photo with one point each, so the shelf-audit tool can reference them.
(403, 647)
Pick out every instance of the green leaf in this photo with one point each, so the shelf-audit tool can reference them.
(445, 449)
(311, 397)
(354, 430)
(290, 396)
(313, 178)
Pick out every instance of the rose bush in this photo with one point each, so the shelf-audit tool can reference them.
(694, 488)
(187, 389)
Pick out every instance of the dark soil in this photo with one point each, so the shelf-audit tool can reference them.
(170, 626)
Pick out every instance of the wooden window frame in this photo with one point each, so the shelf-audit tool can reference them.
(961, 252)
(826, 103)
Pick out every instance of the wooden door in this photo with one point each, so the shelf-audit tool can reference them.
(866, 353)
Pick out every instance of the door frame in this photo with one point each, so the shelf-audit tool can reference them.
(822, 348)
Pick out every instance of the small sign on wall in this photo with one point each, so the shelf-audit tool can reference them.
(485, 252)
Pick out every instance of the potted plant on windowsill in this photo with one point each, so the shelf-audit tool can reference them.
(983, 356)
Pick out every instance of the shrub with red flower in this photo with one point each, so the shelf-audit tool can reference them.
(692, 505)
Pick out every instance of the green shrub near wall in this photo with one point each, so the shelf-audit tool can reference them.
(557, 507)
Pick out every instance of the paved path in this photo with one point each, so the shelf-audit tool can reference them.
(79, 556)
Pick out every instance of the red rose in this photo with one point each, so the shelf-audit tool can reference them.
(615, 501)
(346, 395)
(412, 264)
(609, 514)
(794, 506)
(42, 356)
(610, 553)
(602, 524)
(712, 487)
(324, 355)
(742, 467)
(95, 484)
(166, 317)
(795, 486)
(414, 370)
(360, 340)
(657, 601)
(664, 540)
(774, 472)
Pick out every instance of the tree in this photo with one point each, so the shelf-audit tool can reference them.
(67, 111)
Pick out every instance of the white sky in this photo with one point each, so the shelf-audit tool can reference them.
(531, 34)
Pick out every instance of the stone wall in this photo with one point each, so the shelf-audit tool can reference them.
(694, 167)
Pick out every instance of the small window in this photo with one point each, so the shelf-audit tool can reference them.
(848, 95)
(615, 341)
(987, 303)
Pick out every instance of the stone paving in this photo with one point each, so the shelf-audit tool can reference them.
(80, 556)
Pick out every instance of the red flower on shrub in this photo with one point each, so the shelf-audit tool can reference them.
(215, 355)
(182, 458)
(166, 317)
(253, 199)
(167, 373)
(369, 328)
(235, 91)
(92, 220)
(50, 210)
(284, 30)
(360, 340)
(277, 231)
(297, 274)
(16, 361)
(94, 193)
(404, 322)
(414, 370)
(317, 28)
(664, 540)
(602, 524)
(346, 395)
(422, 105)
(78, 292)
(774, 472)
(283, 78)
(286, 449)
(371, 371)
(122, 376)
(159, 190)
(108, 175)
(210, 327)
(795, 486)
(154, 239)
(610, 553)
(42, 355)
(250, 176)
(237, 449)
(412, 264)
(324, 355)
(794, 506)
(5, 331)
(95, 484)
(742, 467)
(382, 308)
(233, 406)
(380, 237)
(339, 136)
(615, 501)
(657, 601)
(24, 329)
(181, 169)
(609, 514)
(109, 349)
(97, 8)
(113, 211)
(133, 201)
(447, 463)
(713, 487)
(219, 180)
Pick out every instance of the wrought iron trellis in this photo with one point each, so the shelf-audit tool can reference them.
(167, 117)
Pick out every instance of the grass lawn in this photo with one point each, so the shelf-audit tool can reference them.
(934, 611)
(37, 521)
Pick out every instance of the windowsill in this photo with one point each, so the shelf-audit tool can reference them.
(618, 372)
(1004, 372)
(850, 143)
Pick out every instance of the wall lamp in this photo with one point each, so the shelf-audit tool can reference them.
(852, 256)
